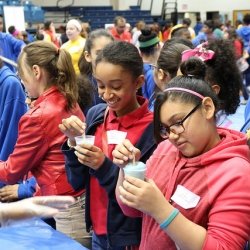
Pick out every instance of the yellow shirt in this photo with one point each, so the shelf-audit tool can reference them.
(75, 49)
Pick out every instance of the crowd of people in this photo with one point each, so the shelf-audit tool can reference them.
(165, 97)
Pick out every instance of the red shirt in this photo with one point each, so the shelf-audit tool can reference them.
(125, 36)
(134, 124)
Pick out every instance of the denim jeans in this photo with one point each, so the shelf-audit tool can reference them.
(100, 242)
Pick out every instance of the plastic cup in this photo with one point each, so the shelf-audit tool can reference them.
(136, 170)
(88, 139)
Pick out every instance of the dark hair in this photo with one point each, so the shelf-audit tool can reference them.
(246, 19)
(58, 65)
(39, 36)
(147, 35)
(47, 25)
(195, 83)
(232, 34)
(170, 57)
(124, 54)
(117, 18)
(11, 29)
(180, 32)
(181, 40)
(223, 71)
(210, 24)
(193, 67)
(187, 21)
(84, 66)
(85, 90)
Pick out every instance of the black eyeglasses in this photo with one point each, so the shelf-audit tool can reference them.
(176, 128)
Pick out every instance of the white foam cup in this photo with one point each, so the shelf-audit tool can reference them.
(89, 139)
(136, 170)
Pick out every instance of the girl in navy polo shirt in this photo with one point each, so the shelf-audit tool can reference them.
(119, 75)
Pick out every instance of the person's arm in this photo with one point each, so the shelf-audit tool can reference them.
(29, 150)
(201, 37)
(76, 172)
(46, 206)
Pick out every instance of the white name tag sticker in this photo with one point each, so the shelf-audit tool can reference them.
(185, 198)
(116, 136)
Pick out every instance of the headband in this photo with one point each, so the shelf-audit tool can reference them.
(200, 51)
(149, 43)
(75, 23)
(187, 91)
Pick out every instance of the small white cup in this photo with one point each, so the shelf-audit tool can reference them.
(89, 139)
(136, 170)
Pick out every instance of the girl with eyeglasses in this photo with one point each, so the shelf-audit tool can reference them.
(196, 194)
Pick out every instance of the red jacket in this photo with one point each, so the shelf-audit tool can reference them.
(38, 147)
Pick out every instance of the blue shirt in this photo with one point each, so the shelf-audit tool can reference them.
(10, 47)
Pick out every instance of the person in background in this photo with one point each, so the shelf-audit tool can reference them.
(167, 29)
(76, 42)
(25, 35)
(186, 22)
(63, 36)
(10, 47)
(206, 34)
(14, 32)
(149, 48)
(48, 75)
(49, 33)
(196, 191)
(156, 28)
(96, 41)
(244, 34)
(232, 36)
(140, 25)
(119, 30)
(168, 63)
(238, 24)
(119, 74)
(86, 29)
(198, 26)
(219, 29)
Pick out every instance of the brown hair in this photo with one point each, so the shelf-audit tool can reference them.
(58, 65)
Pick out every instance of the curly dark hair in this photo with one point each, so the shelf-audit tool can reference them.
(223, 71)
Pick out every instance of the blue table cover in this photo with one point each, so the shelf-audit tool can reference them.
(35, 234)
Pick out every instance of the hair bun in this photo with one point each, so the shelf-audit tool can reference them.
(193, 67)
